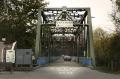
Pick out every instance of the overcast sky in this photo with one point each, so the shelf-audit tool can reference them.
(101, 10)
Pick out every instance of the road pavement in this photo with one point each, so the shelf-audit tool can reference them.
(60, 70)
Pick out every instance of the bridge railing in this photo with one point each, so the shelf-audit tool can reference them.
(46, 60)
(84, 61)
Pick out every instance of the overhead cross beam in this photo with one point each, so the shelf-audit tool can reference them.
(53, 14)
(68, 9)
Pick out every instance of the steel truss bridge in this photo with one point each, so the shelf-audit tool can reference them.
(64, 31)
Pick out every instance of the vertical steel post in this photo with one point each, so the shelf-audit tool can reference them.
(77, 41)
(87, 43)
(79, 47)
(76, 46)
(72, 47)
(49, 45)
(38, 35)
(84, 41)
(90, 40)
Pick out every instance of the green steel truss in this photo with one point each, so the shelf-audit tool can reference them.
(75, 41)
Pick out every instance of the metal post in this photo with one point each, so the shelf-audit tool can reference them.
(38, 35)
(79, 47)
(77, 41)
(49, 45)
(72, 47)
(87, 43)
(90, 36)
(76, 47)
(84, 40)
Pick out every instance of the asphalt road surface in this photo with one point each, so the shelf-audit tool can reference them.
(60, 70)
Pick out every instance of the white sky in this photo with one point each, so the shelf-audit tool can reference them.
(101, 10)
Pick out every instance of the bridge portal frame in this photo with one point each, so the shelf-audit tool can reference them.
(85, 22)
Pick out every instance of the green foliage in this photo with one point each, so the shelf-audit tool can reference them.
(115, 47)
(116, 15)
(107, 46)
(101, 39)
(20, 23)
(107, 49)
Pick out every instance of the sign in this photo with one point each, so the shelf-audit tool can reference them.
(64, 23)
(10, 56)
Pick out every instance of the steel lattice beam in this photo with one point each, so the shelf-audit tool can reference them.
(81, 30)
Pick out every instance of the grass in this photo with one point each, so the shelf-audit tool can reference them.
(106, 70)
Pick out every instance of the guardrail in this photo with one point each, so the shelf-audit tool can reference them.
(46, 60)
(85, 61)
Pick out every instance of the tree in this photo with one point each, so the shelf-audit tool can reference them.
(116, 15)
(21, 21)
(114, 42)
(101, 39)
(107, 49)
(114, 52)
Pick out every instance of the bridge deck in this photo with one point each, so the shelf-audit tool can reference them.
(60, 62)
(60, 70)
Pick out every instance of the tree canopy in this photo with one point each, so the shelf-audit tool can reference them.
(18, 21)
(116, 15)
(107, 50)
(107, 45)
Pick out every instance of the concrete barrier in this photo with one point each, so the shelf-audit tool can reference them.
(45, 60)
(42, 60)
(85, 61)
